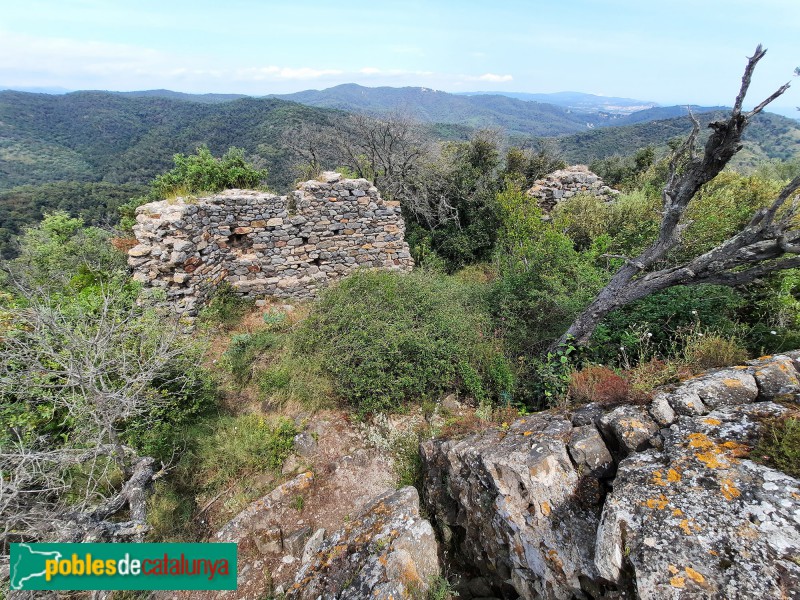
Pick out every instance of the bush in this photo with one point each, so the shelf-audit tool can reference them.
(225, 308)
(245, 349)
(386, 338)
(233, 448)
(710, 350)
(597, 384)
(779, 445)
(201, 172)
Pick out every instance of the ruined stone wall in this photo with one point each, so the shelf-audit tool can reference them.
(566, 183)
(266, 245)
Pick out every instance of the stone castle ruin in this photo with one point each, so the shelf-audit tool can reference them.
(566, 183)
(266, 245)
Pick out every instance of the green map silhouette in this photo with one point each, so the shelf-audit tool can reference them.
(27, 564)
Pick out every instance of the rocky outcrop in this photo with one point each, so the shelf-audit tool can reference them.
(566, 183)
(387, 551)
(698, 520)
(266, 245)
(521, 506)
(658, 501)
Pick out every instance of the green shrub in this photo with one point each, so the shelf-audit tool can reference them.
(708, 351)
(408, 461)
(201, 172)
(664, 315)
(233, 448)
(245, 349)
(225, 308)
(779, 445)
(386, 338)
(543, 281)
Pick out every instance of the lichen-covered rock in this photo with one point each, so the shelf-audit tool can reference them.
(661, 411)
(723, 388)
(387, 551)
(698, 520)
(589, 452)
(630, 426)
(776, 376)
(512, 505)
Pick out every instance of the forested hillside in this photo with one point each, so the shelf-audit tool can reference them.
(89, 152)
(770, 136)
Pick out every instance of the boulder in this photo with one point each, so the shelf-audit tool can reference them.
(698, 520)
(512, 506)
(630, 427)
(387, 551)
(776, 377)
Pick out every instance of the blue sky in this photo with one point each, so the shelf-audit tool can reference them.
(678, 51)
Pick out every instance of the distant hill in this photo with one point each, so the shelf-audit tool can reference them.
(432, 106)
(89, 152)
(204, 98)
(118, 138)
(578, 101)
(770, 136)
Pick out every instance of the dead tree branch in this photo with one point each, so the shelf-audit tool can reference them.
(756, 250)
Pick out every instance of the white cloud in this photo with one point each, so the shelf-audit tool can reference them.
(493, 78)
(273, 73)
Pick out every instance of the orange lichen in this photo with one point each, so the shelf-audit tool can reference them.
(694, 575)
(713, 552)
(729, 489)
(677, 581)
(741, 368)
(677, 512)
(700, 441)
(736, 449)
(546, 509)
(659, 503)
(527, 432)
(709, 459)
(673, 569)
(712, 421)
(673, 476)
(657, 480)
(731, 382)
(684, 525)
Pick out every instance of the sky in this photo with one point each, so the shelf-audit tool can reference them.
(672, 52)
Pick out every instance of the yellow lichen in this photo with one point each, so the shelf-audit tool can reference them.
(677, 512)
(729, 489)
(677, 581)
(731, 382)
(709, 459)
(659, 503)
(684, 525)
(673, 569)
(694, 575)
(546, 509)
(700, 441)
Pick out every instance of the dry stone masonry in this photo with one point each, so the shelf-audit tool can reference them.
(569, 182)
(266, 245)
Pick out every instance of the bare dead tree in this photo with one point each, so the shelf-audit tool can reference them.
(769, 242)
(94, 367)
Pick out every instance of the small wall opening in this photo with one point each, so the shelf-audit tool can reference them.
(239, 241)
